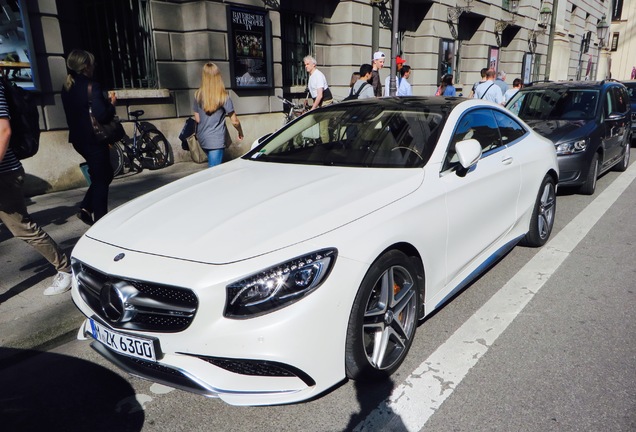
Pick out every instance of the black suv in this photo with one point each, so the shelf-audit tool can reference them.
(588, 121)
(631, 89)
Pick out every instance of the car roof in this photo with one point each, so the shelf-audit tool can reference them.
(570, 84)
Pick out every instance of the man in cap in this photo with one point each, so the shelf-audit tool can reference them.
(399, 62)
(378, 63)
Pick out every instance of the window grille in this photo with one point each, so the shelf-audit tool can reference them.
(298, 41)
(118, 33)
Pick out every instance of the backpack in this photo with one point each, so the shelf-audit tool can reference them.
(25, 120)
(354, 96)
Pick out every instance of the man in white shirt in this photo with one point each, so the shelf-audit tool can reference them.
(488, 90)
(317, 85)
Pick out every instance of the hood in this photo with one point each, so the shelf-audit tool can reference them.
(561, 130)
(243, 209)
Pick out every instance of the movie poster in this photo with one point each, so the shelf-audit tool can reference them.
(250, 53)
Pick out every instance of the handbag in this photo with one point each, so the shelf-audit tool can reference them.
(196, 152)
(106, 133)
(189, 129)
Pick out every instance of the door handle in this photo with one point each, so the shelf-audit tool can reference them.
(507, 160)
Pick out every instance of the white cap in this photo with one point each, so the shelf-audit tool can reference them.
(378, 55)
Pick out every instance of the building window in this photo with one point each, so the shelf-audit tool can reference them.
(297, 42)
(118, 33)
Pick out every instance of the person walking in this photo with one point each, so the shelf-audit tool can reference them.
(75, 99)
(378, 63)
(317, 85)
(483, 78)
(446, 88)
(516, 86)
(404, 89)
(13, 211)
(488, 90)
(501, 81)
(210, 107)
(399, 63)
(362, 85)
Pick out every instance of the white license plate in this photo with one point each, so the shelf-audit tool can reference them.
(125, 344)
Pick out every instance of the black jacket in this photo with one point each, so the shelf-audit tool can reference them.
(75, 102)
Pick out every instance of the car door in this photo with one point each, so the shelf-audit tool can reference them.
(482, 203)
(615, 125)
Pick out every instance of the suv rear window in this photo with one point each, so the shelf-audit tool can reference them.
(555, 104)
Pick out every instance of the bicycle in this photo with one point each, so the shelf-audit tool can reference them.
(148, 148)
(291, 110)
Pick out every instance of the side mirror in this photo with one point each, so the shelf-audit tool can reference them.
(258, 141)
(468, 152)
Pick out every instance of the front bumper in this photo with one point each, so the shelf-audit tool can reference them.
(573, 169)
(285, 356)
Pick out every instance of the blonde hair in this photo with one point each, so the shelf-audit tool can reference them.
(78, 61)
(212, 94)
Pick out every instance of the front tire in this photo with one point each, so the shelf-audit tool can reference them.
(589, 186)
(383, 319)
(543, 214)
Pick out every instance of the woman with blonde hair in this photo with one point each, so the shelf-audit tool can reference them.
(78, 87)
(211, 105)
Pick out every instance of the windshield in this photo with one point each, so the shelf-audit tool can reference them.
(364, 135)
(631, 90)
(555, 104)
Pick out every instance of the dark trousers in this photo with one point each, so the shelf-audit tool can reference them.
(101, 173)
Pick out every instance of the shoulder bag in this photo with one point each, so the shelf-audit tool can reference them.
(107, 133)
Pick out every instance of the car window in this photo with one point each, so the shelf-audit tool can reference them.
(555, 103)
(631, 91)
(619, 100)
(479, 124)
(356, 135)
(509, 128)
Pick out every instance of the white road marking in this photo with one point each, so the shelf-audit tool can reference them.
(412, 403)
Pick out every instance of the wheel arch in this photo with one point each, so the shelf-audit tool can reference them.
(416, 258)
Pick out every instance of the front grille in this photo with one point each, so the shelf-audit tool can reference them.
(150, 307)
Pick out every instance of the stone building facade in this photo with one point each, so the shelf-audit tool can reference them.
(178, 36)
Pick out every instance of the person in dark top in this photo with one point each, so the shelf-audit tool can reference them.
(378, 63)
(13, 211)
(81, 65)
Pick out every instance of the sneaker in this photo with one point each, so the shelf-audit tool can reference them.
(61, 283)
(85, 216)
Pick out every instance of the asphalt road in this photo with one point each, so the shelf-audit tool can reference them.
(559, 354)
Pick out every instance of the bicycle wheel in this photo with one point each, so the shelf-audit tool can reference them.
(116, 158)
(155, 150)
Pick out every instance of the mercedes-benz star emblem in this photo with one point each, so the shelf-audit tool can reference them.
(117, 300)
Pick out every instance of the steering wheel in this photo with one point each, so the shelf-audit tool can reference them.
(409, 149)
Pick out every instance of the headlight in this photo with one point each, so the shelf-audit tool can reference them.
(278, 286)
(571, 147)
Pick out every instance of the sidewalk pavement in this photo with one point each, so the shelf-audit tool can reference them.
(28, 319)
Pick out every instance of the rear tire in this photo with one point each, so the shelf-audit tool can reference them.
(383, 319)
(624, 162)
(589, 186)
(543, 214)
(155, 152)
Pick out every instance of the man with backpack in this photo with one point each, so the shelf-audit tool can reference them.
(362, 89)
(13, 211)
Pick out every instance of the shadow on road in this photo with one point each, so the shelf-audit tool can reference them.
(371, 396)
(53, 392)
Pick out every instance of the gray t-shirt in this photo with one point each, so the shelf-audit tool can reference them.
(367, 91)
(211, 130)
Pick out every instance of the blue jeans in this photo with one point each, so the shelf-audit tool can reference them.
(215, 157)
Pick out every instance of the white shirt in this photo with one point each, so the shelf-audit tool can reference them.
(490, 91)
(403, 87)
(316, 80)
